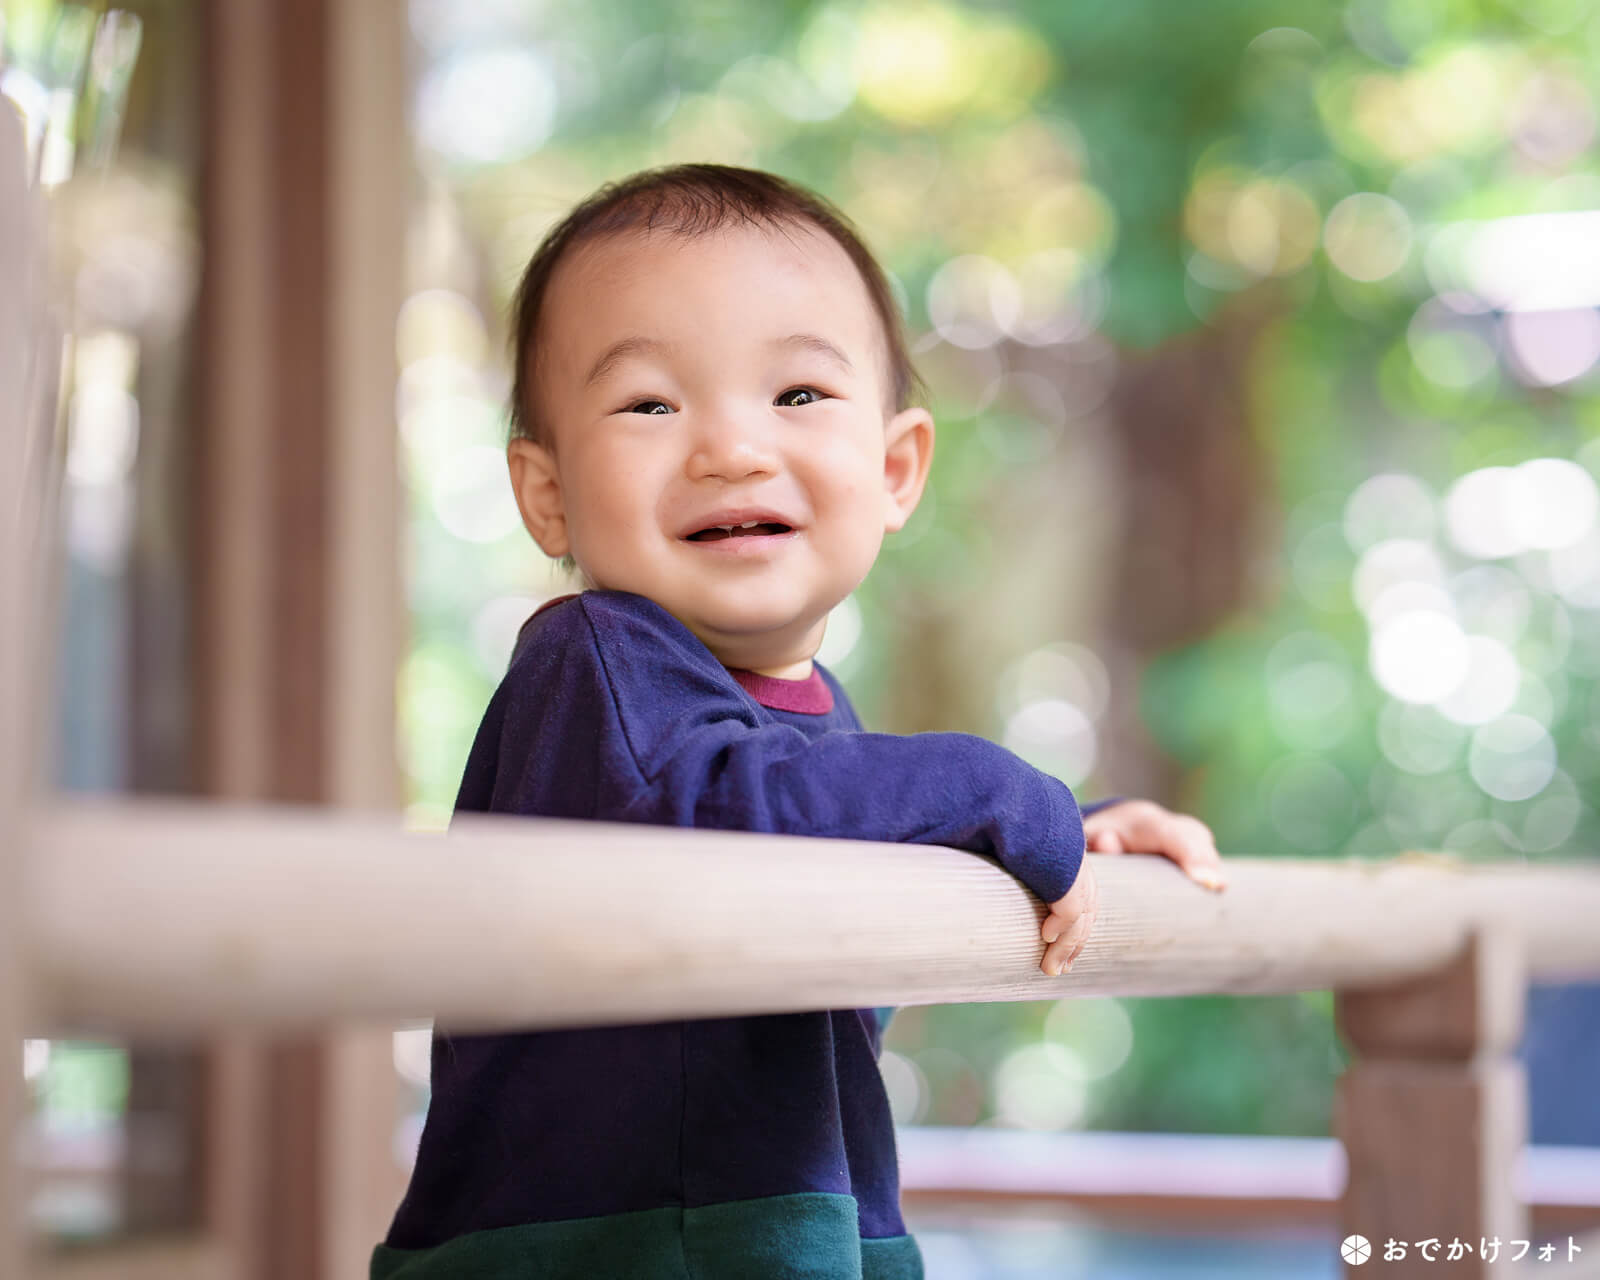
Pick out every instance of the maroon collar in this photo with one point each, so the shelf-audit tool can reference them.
(810, 695)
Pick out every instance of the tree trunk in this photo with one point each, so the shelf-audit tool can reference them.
(1194, 491)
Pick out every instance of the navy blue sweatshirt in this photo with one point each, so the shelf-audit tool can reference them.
(709, 1148)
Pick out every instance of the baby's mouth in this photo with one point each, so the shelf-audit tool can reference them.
(755, 529)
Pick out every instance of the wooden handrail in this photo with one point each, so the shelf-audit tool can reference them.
(188, 917)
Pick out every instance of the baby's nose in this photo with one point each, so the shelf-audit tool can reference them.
(732, 447)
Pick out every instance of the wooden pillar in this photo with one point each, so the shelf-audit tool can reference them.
(21, 256)
(1433, 1111)
(299, 603)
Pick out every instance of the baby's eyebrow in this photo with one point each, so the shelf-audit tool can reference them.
(626, 348)
(622, 350)
(811, 342)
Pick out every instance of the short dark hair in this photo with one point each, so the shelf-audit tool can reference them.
(692, 200)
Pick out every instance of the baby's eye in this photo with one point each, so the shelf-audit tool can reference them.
(648, 406)
(800, 391)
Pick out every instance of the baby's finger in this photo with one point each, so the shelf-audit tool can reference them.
(1058, 958)
(1064, 950)
(1195, 850)
(1071, 904)
(1104, 840)
(1056, 952)
(1060, 934)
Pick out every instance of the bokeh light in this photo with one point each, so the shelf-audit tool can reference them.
(972, 300)
(1070, 672)
(1526, 262)
(1512, 758)
(1309, 688)
(1492, 600)
(1490, 687)
(1390, 505)
(1575, 571)
(1262, 226)
(1552, 347)
(472, 497)
(1419, 656)
(1553, 816)
(1418, 739)
(1054, 736)
(1092, 1037)
(1395, 562)
(440, 324)
(486, 105)
(906, 1086)
(1368, 236)
(843, 633)
(1543, 504)
(1478, 514)
(923, 64)
(1452, 348)
(1060, 299)
(1040, 1086)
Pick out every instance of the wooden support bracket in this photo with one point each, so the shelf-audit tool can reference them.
(1433, 1112)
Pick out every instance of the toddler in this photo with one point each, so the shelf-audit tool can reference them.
(712, 422)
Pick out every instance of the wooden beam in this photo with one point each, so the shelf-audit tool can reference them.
(526, 922)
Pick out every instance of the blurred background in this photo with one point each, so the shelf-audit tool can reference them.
(1262, 339)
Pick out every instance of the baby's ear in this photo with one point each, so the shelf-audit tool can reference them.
(907, 455)
(537, 485)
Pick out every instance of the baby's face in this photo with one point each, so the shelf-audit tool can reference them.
(691, 382)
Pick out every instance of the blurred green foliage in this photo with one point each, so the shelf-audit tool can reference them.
(80, 1084)
(1163, 168)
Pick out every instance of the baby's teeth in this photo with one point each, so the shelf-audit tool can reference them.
(750, 524)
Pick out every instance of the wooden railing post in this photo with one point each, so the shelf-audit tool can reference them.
(1433, 1111)
(29, 360)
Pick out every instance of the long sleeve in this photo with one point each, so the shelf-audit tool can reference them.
(927, 788)
(665, 735)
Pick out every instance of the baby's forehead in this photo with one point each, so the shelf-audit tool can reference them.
(794, 252)
(747, 280)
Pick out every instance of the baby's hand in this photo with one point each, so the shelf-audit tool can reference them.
(1134, 826)
(1140, 826)
(1070, 922)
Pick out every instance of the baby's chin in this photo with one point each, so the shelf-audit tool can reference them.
(748, 621)
(747, 615)
(750, 634)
